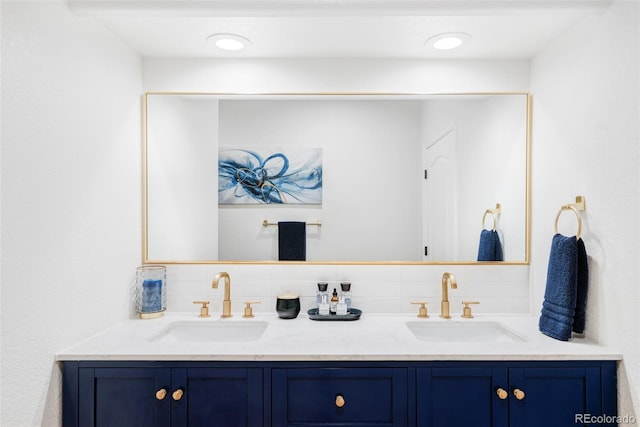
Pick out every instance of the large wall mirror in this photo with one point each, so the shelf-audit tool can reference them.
(378, 178)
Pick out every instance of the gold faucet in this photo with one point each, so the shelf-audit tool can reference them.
(226, 304)
(444, 305)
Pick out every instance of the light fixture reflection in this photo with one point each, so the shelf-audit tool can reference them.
(229, 42)
(448, 41)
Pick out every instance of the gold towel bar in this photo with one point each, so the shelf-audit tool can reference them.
(576, 207)
(267, 223)
(494, 213)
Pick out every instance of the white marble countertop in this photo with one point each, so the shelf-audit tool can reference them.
(372, 337)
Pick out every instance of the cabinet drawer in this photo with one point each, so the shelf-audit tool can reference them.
(369, 396)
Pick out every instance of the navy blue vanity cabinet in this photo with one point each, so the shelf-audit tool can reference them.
(126, 396)
(226, 397)
(340, 396)
(148, 394)
(514, 394)
(462, 395)
(557, 395)
(337, 393)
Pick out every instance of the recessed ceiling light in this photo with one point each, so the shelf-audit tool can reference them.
(229, 42)
(448, 41)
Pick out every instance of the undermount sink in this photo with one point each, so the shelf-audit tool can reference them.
(213, 331)
(463, 331)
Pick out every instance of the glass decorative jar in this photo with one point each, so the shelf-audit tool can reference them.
(151, 291)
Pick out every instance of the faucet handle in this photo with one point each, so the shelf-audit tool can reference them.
(466, 311)
(248, 310)
(204, 310)
(422, 310)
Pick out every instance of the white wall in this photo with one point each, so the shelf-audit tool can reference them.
(335, 75)
(70, 195)
(586, 142)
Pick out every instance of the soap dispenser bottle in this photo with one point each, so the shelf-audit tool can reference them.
(341, 309)
(333, 306)
(323, 308)
(346, 293)
(321, 293)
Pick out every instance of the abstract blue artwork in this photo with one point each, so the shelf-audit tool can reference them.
(270, 176)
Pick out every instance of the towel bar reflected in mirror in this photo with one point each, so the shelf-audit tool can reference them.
(266, 223)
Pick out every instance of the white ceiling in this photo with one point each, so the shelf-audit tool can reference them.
(504, 29)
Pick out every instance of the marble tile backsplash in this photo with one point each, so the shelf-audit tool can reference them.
(375, 289)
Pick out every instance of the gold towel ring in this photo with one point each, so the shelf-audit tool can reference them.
(493, 215)
(575, 211)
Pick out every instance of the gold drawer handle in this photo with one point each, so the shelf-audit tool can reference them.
(519, 394)
(340, 401)
(161, 394)
(502, 393)
(177, 395)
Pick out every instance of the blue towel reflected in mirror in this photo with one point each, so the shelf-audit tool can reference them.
(292, 241)
(490, 248)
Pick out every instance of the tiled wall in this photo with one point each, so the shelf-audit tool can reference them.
(375, 289)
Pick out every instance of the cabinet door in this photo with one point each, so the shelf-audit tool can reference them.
(124, 397)
(226, 397)
(340, 397)
(553, 396)
(462, 397)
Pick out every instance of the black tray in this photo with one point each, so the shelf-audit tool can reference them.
(353, 314)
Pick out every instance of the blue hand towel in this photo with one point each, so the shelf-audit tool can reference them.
(583, 285)
(292, 241)
(490, 248)
(565, 294)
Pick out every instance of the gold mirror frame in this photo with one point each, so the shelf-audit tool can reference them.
(145, 224)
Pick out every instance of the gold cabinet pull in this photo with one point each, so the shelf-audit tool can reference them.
(502, 393)
(340, 401)
(519, 394)
(161, 394)
(177, 395)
